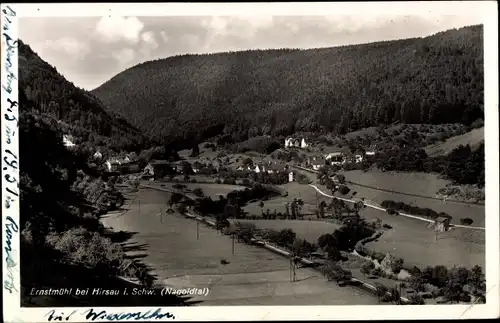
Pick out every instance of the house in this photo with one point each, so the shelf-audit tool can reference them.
(276, 168)
(370, 155)
(196, 166)
(289, 142)
(335, 158)
(318, 162)
(126, 167)
(158, 169)
(97, 155)
(442, 224)
(113, 164)
(294, 142)
(68, 141)
(359, 156)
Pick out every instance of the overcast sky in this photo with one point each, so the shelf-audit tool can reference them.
(90, 50)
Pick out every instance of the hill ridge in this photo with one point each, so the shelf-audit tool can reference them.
(435, 79)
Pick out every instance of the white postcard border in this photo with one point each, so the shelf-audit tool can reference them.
(11, 301)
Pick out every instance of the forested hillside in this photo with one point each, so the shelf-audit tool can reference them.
(437, 79)
(72, 110)
(63, 244)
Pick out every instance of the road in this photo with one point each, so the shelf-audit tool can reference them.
(382, 209)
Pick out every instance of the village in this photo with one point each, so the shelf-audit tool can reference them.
(313, 191)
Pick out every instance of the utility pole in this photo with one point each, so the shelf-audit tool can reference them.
(139, 205)
(293, 274)
(233, 243)
(197, 230)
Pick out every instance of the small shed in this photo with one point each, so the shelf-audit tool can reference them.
(290, 177)
(442, 224)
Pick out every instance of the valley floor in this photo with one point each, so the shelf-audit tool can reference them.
(253, 276)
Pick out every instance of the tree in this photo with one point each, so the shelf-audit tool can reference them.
(261, 205)
(333, 253)
(326, 240)
(198, 192)
(322, 206)
(221, 223)
(287, 210)
(286, 237)
(380, 291)
(395, 296)
(175, 198)
(416, 299)
(195, 151)
(367, 267)
(181, 208)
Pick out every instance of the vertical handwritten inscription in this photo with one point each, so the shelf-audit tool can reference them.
(10, 148)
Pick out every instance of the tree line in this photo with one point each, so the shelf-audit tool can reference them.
(73, 110)
(436, 79)
(62, 240)
(463, 165)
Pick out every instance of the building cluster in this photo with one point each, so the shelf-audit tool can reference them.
(122, 165)
(296, 142)
(339, 158)
(269, 168)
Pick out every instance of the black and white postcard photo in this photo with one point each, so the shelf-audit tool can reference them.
(249, 161)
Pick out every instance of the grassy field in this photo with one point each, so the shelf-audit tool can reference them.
(295, 190)
(253, 276)
(309, 230)
(212, 190)
(413, 241)
(412, 183)
(471, 138)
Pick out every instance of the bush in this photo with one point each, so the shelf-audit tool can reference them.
(344, 189)
(466, 221)
(198, 192)
(392, 211)
(82, 247)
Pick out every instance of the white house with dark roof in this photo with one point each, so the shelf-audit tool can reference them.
(113, 164)
(335, 158)
(68, 141)
(295, 142)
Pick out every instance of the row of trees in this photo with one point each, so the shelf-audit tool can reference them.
(455, 284)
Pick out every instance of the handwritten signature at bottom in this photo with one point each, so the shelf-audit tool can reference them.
(92, 315)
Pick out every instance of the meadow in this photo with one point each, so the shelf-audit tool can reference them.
(409, 185)
(471, 138)
(416, 243)
(420, 246)
(253, 276)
